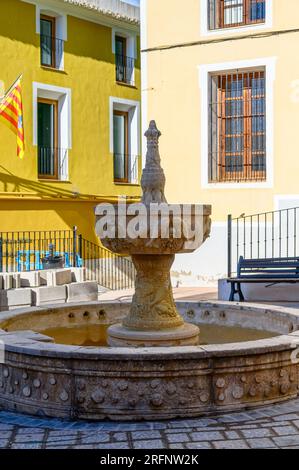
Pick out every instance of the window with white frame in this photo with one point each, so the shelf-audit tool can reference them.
(235, 13)
(125, 139)
(237, 126)
(52, 28)
(52, 130)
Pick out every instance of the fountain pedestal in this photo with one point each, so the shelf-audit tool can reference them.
(153, 319)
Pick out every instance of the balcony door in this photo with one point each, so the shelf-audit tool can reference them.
(48, 138)
(48, 33)
(120, 139)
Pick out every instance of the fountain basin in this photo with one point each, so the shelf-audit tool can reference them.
(46, 379)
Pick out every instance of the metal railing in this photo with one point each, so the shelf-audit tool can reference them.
(108, 269)
(126, 168)
(24, 251)
(267, 235)
(51, 161)
(125, 69)
(234, 13)
(51, 50)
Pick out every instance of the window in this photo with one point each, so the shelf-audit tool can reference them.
(51, 46)
(124, 64)
(47, 34)
(237, 127)
(120, 138)
(125, 139)
(235, 13)
(52, 130)
(47, 138)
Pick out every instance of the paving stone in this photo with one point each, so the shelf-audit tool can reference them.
(183, 437)
(4, 443)
(286, 441)
(5, 434)
(285, 430)
(180, 429)
(6, 427)
(286, 417)
(245, 426)
(262, 443)
(236, 444)
(249, 433)
(26, 446)
(138, 435)
(231, 435)
(235, 431)
(175, 446)
(150, 444)
(115, 445)
(94, 438)
(34, 438)
(207, 436)
(199, 445)
(295, 423)
(120, 436)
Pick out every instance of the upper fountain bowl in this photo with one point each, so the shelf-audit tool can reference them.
(182, 230)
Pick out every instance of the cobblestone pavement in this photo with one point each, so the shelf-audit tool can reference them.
(273, 427)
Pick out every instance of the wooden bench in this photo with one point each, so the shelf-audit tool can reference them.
(271, 271)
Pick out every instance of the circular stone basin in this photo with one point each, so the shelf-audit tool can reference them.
(44, 378)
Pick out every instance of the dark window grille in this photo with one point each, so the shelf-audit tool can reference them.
(234, 13)
(237, 127)
(125, 69)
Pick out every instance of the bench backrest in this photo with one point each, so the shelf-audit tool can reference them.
(269, 268)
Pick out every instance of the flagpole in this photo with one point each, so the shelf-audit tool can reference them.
(12, 86)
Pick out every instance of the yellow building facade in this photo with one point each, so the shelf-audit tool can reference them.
(222, 81)
(81, 97)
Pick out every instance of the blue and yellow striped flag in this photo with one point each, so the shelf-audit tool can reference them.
(11, 114)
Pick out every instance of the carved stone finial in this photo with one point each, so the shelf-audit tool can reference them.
(153, 178)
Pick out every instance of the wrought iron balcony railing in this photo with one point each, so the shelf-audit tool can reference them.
(126, 168)
(52, 162)
(125, 69)
(52, 50)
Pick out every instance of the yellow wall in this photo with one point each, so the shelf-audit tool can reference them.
(89, 71)
(174, 100)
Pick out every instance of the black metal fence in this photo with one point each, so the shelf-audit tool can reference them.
(25, 250)
(267, 235)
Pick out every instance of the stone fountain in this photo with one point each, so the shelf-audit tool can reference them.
(153, 319)
(43, 378)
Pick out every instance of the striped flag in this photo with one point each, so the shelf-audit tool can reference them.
(11, 114)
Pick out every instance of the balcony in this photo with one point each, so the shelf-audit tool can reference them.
(125, 69)
(52, 163)
(126, 168)
(52, 50)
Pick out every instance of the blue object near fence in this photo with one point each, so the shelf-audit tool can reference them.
(24, 257)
